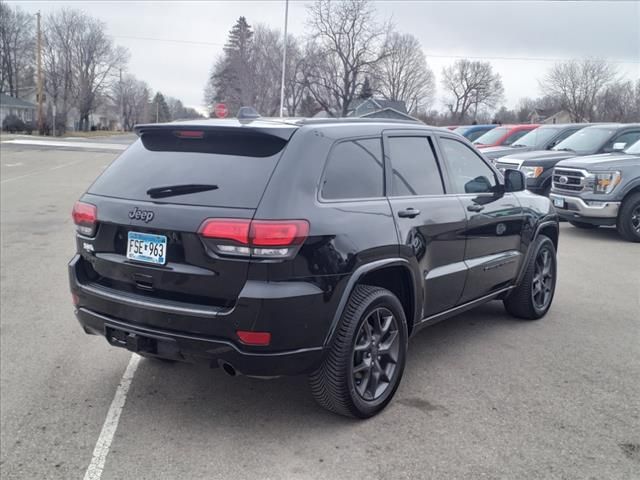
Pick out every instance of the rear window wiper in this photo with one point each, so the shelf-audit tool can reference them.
(518, 145)
(173, 190)
(564, 150)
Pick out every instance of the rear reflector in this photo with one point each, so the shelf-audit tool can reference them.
(254, 338)
(275, 239)
(75, 299)
(85, 216)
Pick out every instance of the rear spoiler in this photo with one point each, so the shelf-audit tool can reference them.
(223, 137)
(277, 129)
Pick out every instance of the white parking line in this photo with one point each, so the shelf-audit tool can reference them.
(83, 145)
(40, 171)
(100, 452)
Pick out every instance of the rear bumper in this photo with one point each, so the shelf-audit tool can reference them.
(197, 349)
(297, 314)
(575, 208)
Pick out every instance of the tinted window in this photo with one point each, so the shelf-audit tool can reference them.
(469, 174)
(415, 171)
(240, 168)
(354, 170)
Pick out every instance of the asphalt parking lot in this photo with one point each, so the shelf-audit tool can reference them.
(483, 396)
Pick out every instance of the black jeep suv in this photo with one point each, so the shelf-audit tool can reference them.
(304, 247)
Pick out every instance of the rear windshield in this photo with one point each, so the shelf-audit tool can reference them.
(238, 165)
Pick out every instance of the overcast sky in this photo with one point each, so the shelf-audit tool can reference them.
(516, 37)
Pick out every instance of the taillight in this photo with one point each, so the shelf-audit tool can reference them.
(258, 238)
(85, 216)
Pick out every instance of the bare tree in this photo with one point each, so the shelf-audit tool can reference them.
(348, 44)
(131, 98)
(402, 74)
(619, 102)
(96, 63)
(265, 70)
(177, 111)
(60, 30)
(16, 50)
(577, 83)
(471, 85)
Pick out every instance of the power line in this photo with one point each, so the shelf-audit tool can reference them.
(436, 55)
(169, 40)
(531, 59)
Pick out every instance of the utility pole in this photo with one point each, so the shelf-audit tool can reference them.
(284, 57)
(121, 103)
(39, 67)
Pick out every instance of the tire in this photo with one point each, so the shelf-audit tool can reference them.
(583, 225)
(532, 299)
(347, 381)
(629, 218)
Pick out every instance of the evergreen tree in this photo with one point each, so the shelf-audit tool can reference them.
(366, 91)
(159, 109)
(231, 80)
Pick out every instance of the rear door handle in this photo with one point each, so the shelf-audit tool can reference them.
(409, 213)
(475, 208)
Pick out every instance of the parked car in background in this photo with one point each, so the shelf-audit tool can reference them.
(473, 132)
(503, 135)
(600, 190)
(451, 127)
(538, 165)
(542, 138)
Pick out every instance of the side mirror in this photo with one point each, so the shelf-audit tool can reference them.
(514, 180)
(618, 146)
(478, 185)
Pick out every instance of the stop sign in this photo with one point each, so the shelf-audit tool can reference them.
(221, 110)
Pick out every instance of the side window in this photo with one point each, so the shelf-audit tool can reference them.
(354, 170)
(415, 170)
(628, 138)
(515, 136)
(468, 172)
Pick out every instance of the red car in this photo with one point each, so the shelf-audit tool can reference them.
(504, 135)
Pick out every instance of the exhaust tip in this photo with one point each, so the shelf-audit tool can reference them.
(228, 369)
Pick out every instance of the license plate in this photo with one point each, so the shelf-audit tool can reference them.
(558, 202)
(145, 247)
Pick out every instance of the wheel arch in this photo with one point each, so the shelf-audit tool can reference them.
(393, 274)
(633, 190)
(550, 229)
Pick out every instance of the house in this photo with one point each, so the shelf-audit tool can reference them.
(543, 116)
(389, 112)
(22, 109)
(362, 107)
